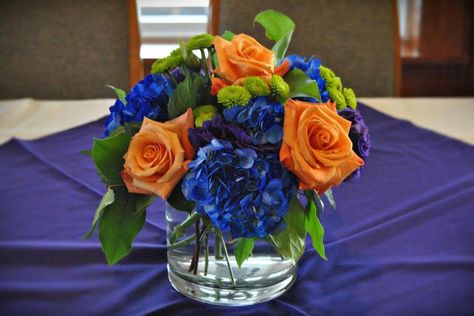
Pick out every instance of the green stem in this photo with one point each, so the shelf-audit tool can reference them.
(272, 241)
(171, 78)
(204, 232)
(233, 241)
(211, 60)
(182, 243)
(206, 253)
(180, 229)
(204, 64)
(197, 249)
(217, 248)
(232, 278)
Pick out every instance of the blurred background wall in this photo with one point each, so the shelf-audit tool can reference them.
(431, 41)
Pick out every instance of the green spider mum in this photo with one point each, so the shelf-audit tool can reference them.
(174, 59)
(204, 113)
(350, 97)
(166, 64)
(233, 95)
(256, 86)
(337, 97)
(326, 73)
(279, 86)
(200, 41)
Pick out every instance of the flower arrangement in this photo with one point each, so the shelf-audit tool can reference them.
(244, 139)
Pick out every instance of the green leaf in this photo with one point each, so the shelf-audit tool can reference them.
(330, 198)
(180, 229)
(301, 85)
(314, 228)
(177, 200)
(120, 223)
(228, 35)
(281, 46)
(276, 24)
(186, 94)
(130, 128)
(107, 154)
(291, 241)
(243, 250)
(120, 94)
(107, 199)
(86, 152)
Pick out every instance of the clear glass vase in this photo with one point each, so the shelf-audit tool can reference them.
(205, 268)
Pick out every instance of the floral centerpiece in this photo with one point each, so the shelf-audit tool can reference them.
(243, 143)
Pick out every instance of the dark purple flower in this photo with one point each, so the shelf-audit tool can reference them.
(220, 129)
(217, 128)
(359, 135)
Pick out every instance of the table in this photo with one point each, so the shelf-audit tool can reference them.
(400, 241)
(31, 119)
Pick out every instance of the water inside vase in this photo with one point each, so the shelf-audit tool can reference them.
(263, 276)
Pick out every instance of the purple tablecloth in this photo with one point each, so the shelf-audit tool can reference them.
(400, 242)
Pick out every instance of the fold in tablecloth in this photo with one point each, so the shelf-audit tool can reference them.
(400, 241)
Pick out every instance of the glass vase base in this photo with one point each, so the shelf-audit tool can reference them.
(237, 296)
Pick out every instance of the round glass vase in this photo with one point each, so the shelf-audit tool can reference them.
(205, 268)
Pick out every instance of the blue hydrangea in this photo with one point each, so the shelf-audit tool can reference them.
(311, 68)
(148, 98)
(239, 189)
(261, 118)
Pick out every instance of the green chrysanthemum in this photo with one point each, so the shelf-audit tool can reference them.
(204, 113)
(335, 83)
(176, 52)
(200, 41)
(326, 73)
(279, 86)
(350, 97)
(233, 95)
(337, 97)
(165, 64)
(256, 86)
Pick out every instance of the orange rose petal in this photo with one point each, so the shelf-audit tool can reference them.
(241, 57)
(224, 68)
(163, 189)
(165, 145)
(316, 146)
(283, 68)
(216, 85)
(129, 183)
(180, 126)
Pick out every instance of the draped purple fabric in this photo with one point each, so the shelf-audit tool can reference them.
(400, 242)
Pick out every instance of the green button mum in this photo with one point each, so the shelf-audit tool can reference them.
(233, 95)
(279, 86)
(204, 113)
(337, 97)
(350, 97)
(256, 86)
(326, 73)
(199, 41)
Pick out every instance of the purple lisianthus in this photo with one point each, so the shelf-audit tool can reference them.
(218, 128)
(359, 135)
(148, 98)
(311, 68)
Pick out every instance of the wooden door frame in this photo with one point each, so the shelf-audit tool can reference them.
(135, 62)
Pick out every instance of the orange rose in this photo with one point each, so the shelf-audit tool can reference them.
(316, 145)
(243, 56)
(158, 155)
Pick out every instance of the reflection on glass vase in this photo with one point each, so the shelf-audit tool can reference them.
(205, 268)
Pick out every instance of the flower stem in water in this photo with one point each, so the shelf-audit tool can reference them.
(231, 273)
(206, 253)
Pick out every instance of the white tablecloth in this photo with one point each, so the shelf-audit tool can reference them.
(31, 119)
